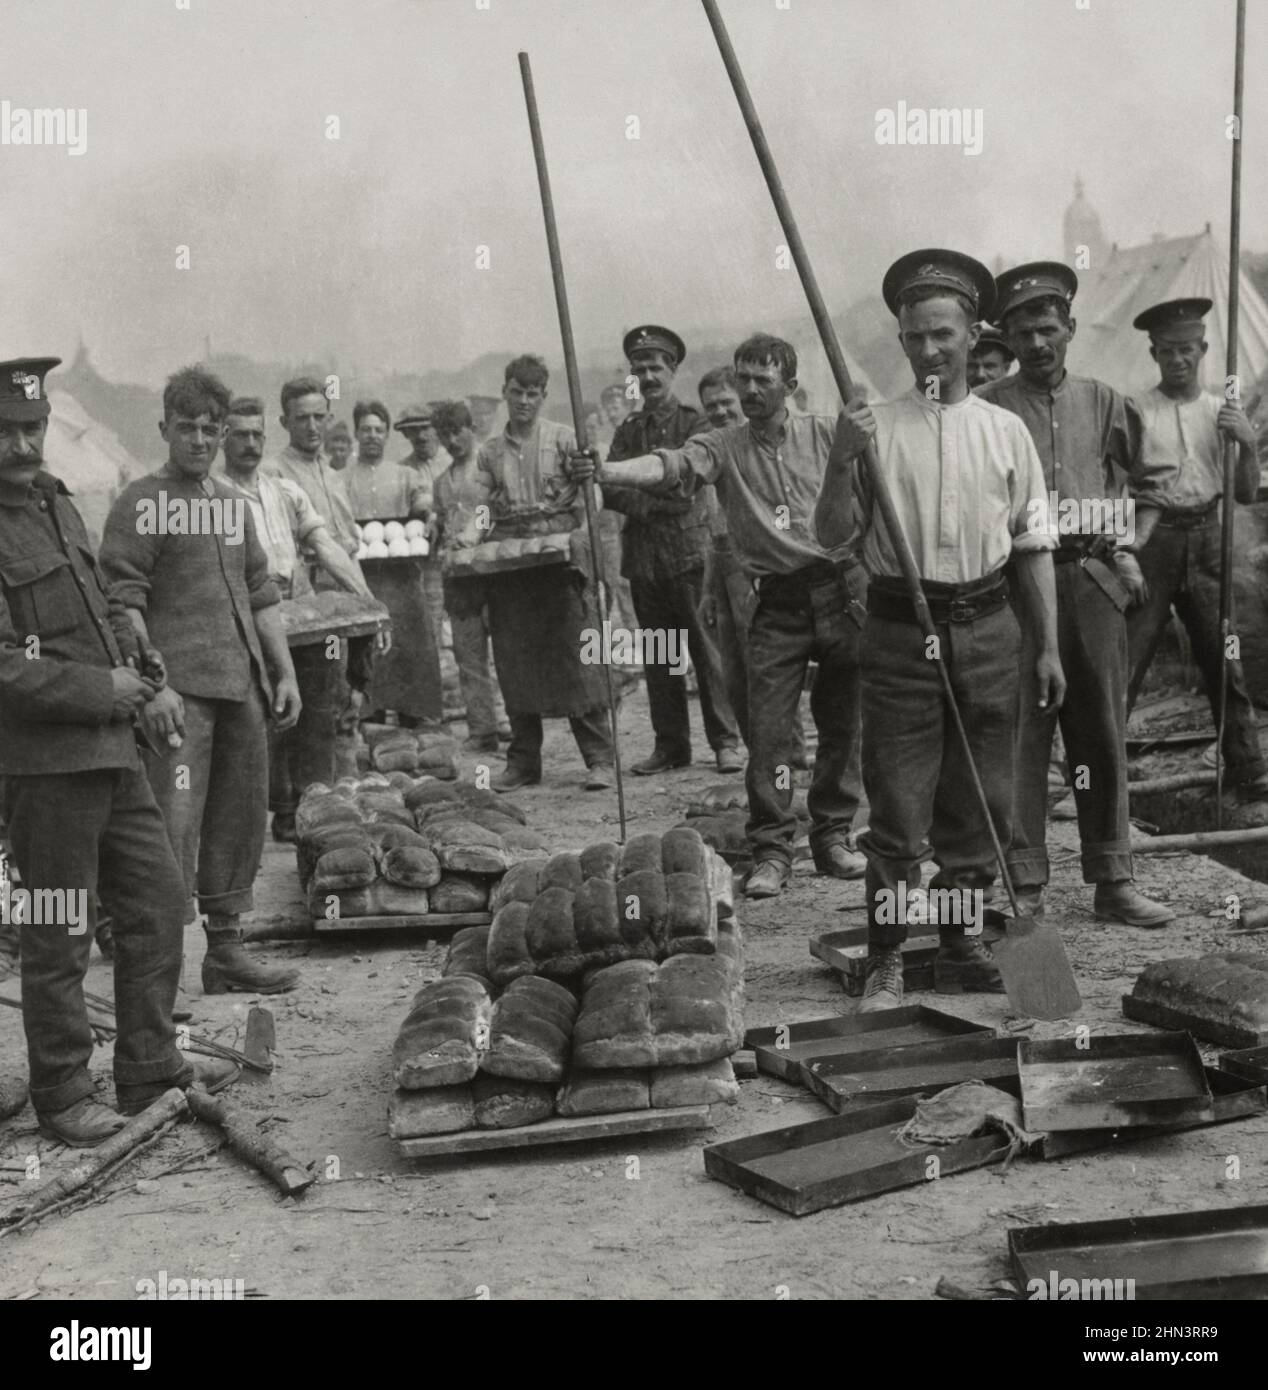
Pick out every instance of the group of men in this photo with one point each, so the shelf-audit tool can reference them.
(139, 690)
(1038, 621)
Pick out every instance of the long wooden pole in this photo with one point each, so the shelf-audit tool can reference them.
(841, 375)
(1230, 378)
(598, 586)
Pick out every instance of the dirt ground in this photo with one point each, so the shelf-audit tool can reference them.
(570, 1222)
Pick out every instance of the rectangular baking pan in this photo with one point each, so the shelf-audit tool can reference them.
(1184, 1255)
(845, 1158)
(1110, 1082)
(904, 1071)
(780, 1050)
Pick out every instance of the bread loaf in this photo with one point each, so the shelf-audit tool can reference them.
(597, 923)
(710, 1083)
(459, 893)
(692, 921)
(600, 860)
(444, 1036)
(468, 954)
(684, 852)
(562, 871)
(504, 1103)
(642, 853)
(614, 1027)
(391, 836)
(520, 884)
(411, 867)
(509, 956)
(344, 868)
(551, 938)
(603, 1092)
(441, 1110)
(466, 848)
(531, 1031)
(384, 899)
(643, 904)
(428, 791)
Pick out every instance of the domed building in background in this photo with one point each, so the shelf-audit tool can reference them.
(1082, 228)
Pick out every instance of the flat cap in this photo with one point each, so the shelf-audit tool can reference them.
(649, 337)
(1034, 280)
(991, 337)
(1177, 320)
(414, 415)
(22, 397)
(936, 268)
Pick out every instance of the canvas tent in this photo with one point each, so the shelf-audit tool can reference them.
(88, 458)
(1107, 347)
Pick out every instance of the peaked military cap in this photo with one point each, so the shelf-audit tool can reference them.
(22, 397)
(651, 336)
(1034, 280)
(991, 337)
(934, 268)
(1179, 320)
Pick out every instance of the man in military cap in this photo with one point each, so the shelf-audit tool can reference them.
(966, 486)
(1187, 428)
(990, 357)
(1089, 440)
(82, 820)
(768, 472)
(664, 546)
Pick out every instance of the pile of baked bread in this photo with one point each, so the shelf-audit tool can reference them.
(388, 844)
(610, 980)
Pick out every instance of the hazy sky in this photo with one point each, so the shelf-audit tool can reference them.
(207, 128)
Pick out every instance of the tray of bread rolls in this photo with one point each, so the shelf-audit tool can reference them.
(514, 553)
(403, 539)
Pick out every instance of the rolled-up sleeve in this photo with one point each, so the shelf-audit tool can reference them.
(701, 460)
(1148, 479)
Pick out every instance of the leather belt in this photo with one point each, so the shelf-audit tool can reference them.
(1189, 520)
(948, 603)
(796, 586)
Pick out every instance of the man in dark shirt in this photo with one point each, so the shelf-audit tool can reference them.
(181, 551)
(1088, 438)
(81, 817)
(665, 544)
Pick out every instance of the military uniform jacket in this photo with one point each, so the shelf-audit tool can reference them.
(664, 537)
(60, 636)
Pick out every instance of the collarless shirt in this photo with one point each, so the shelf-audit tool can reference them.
(284, 520)
(966, 483)
(386, 491)
(767, 489)
(530, 472)
(324, 488)
(1184, 436)
(1089, 438)
(457, 492)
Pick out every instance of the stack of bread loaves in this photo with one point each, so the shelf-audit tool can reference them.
(621, 985)
(391, 844)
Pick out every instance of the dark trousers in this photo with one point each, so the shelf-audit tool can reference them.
(213, 793)
(671, 604)
(99, 834)
(914, 770)
(1182, 568)
(1092, 642)
(793, 625)
(306, 753)
(591, 730)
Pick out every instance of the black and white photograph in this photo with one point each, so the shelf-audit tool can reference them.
(632, 641)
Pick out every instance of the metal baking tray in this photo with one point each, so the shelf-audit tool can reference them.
(904, 1071)
(1112, 1082)
(1247, 1064)
(826, 1163)
(780, 1050)
(846, 952)
(1185, 1255)
(1232, 1098)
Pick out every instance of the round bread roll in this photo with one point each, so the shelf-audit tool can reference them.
(376, 550)
(414, 528)
(372, 531)
(418, 545)
(393, 531)
(398, 546)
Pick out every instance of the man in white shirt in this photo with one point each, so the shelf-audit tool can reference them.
(1187, 427)
(968, 489)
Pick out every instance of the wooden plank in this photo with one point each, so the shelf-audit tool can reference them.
(560, 1130)
(406, 919)
(507, 566)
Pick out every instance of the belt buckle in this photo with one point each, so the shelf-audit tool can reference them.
(961, 610)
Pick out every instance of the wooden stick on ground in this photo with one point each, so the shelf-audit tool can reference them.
(1200, 840)
(169, 1106)
(247, 1142)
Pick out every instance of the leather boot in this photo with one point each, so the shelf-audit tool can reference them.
(1122, 901)
(212, 1073)
(964, 966)
(83, 1125)
(766, 879)
(229, 968)
(884, 986)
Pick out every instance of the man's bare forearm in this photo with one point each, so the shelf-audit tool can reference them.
(277, 655)
(1038, 583)
(645, 471)
(835, 519)
(340, 566)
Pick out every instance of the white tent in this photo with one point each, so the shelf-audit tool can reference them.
(1107, 347)
(88, 458)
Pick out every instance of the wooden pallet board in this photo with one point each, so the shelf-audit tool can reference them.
(560, 1130)
(445, 920)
